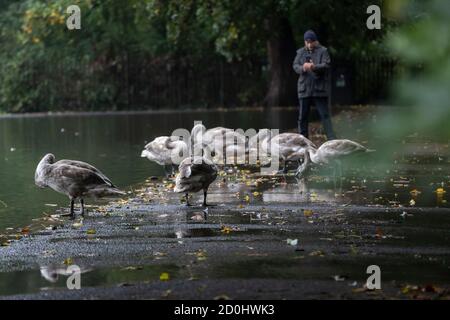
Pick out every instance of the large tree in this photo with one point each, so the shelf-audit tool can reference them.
(272, 29)
(40, 56)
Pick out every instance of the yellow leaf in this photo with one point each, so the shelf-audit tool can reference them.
(68, 261)
(164, 276)
(440, 191)
(91, 231)
(308, 213)
(317, 253)
(226, 230)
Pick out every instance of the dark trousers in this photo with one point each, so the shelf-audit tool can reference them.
(322, 107)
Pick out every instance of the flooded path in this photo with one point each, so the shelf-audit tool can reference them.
(267, 237)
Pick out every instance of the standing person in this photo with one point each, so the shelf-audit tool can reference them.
(312, 63)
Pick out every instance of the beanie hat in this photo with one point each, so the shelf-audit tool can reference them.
(310, 35)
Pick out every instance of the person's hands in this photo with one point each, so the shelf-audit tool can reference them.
(308, 66)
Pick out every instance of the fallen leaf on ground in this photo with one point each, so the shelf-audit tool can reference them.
(164, 276)
(319, 253)
(226, 230)
(25, 230)
(292, 242)
(201, 255)
(166, 293)
(379, 233)
(197, 217)
(77, 224)
(307, 213)
(132, 268)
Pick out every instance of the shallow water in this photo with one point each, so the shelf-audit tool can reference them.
(56, 277)
(111, 142)
(413, 180)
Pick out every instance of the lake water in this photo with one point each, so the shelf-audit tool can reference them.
(111, 142)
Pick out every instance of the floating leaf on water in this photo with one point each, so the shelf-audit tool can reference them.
(68, 261)
(412, 202)
(91, 231)
(440, 191)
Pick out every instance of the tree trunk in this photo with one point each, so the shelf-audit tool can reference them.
(281, 52)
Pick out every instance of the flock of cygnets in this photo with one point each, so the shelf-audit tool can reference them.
(196, 172)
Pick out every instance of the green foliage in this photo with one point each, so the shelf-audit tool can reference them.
(44, 66)
(423, 88)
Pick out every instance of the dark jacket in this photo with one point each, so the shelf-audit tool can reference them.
(313, 83)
